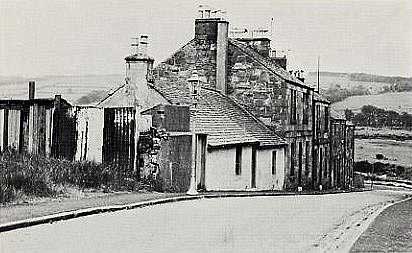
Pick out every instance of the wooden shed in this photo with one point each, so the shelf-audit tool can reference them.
(43, 126)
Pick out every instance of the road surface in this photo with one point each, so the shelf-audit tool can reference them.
(249, 224)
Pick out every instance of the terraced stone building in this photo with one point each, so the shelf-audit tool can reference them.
(245, 70)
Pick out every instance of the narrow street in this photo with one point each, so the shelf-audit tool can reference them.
(258, 224)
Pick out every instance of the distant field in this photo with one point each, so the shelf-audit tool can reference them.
(397, 152)
(343, 80)
(399, 102)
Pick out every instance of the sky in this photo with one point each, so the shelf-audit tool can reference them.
(92, 37)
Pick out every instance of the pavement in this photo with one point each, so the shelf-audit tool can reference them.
(391, 231)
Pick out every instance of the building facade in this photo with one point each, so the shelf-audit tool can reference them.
(235, 119)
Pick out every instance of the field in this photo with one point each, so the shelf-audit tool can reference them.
(399, 102)
(343, 80)
(396, 152)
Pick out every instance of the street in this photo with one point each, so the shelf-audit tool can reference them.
(258, 224)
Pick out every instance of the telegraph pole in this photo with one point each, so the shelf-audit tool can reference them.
(318, 73)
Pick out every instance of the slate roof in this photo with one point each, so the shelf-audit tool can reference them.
(217, 115)
(277, 70)
(125, 96)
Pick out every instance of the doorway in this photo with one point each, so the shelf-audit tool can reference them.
(253, 183)
(201, 162)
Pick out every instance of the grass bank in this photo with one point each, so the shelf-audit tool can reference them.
(24, 176)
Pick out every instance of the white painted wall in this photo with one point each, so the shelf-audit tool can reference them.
(94, 118)
(221, 175)
(220, 169)
(14, 129)
(264, 178)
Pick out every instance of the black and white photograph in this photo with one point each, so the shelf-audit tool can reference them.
(205, 126)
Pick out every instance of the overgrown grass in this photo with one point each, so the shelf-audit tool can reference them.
(38, 176)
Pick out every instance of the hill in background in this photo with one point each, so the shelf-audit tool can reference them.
(373, 84)
(354, 90)
(72, 88)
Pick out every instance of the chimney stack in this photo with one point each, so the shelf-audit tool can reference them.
(32, 89)
(211, 35)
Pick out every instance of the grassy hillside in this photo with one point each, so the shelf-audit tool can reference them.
(395, 101)
(72, 88)
(373, 83)
(344, 80)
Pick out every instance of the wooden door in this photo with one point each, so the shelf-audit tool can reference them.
(253, 174)
(201, 162)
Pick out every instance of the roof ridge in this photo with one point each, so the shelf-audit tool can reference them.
(172, 54)
(110, 94)
(152, 86)
(267, 63)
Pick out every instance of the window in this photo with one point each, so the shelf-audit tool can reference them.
(318, 119)
(273, 162)
(293, 106)
(305, 108)
(292, 158)
(238, 162)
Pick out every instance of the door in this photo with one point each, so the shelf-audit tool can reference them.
(300, 165)
(201, 162)
(253, 183)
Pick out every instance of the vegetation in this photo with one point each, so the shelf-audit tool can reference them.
(372, 116)
(338, 93)
(395, 83)
(379, 168)
(25, 175)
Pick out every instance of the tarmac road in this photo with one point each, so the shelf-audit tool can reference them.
(248, 224)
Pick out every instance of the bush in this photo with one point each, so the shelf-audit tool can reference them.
(35, 175)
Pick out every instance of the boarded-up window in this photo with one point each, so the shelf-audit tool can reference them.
(238, 160)
(273, 162)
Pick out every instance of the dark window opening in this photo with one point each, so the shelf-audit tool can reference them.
(238, 162)
(273, 162)
(305, 108)
(293, 111)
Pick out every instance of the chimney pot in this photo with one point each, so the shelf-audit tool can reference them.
(143, 42)
(32, 88)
